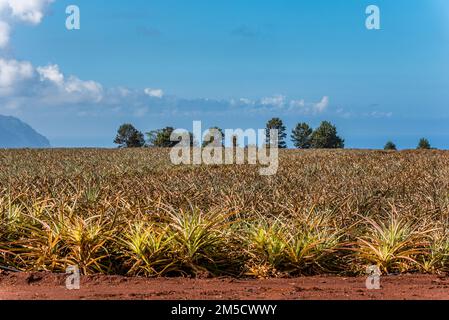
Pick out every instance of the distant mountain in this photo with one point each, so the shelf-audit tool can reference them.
(17, 134)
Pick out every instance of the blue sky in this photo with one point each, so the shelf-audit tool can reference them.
(233, 64)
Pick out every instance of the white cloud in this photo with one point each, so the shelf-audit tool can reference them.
(12, 73)
(155, 93)
(72, 87)
(4, 34)
(297, 104)
(123, 92)
(241, 102)
(281, 102)
(246, 101)
(31, 11)
(321, 106)
(28, 11)
(75, 85)
(19, 80)
(275, 101)
(283, 105)
(51, 73)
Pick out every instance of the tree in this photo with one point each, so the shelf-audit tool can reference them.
(424, 144)
(210, 136)
(301, 136)
(129, 137)
(390, 146)
(161, 138)
(277, 124)
(326, 137)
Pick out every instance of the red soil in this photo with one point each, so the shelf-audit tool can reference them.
(46, 286)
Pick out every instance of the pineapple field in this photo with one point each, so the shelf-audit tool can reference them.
(131, 212)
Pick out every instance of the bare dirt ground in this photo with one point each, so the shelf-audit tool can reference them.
(46, 286)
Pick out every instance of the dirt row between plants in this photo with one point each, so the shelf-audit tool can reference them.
(47, 286)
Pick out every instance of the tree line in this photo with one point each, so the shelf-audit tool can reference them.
(303, 136)
(423, 144)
